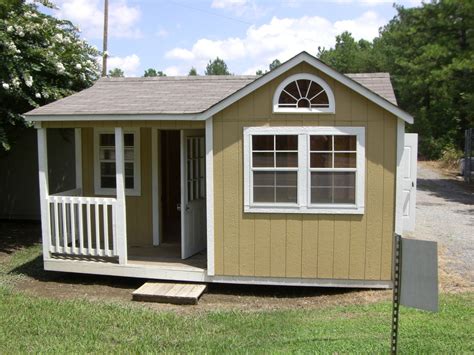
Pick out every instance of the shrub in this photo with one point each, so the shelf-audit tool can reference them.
(450, 157)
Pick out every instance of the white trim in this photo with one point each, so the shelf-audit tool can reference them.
(304, 76)
(191, 274)
(154, 186)
(121, 214)
(44, 190)
(399, 182)
(303, 203)
(210, 195)
(78, 156)
(301, 57)
(136, 191)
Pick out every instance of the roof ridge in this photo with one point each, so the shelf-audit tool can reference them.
(180, 77)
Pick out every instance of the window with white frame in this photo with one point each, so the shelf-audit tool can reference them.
(304, 169)
(104, 162)
(303, 93)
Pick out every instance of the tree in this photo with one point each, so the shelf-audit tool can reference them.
(116, 73)
(259, 72)
(192, 72)
(276, 63)
(217, 67)
(150, 72)
(42, 59)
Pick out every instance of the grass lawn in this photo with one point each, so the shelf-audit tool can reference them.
(44, 325)
(34, 324)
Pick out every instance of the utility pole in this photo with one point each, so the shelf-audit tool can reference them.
(104, 50)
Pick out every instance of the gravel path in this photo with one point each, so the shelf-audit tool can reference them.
(445, 213)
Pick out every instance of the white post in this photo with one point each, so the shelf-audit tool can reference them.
(44, 191)
(121, 216)
(78, 155)
(210, 196)
(155, 187)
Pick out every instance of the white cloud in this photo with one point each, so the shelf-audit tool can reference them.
(89, 16)
(174, 71)
(247, 8)
(162, 33)
(281, 38)
(129, 64)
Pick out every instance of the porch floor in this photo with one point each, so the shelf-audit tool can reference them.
(166, 255)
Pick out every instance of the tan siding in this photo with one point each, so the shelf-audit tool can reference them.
(308, 246)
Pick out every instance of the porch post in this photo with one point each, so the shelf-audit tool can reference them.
(44, 191)
(121, 216)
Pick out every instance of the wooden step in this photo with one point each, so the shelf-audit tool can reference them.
(168, 292)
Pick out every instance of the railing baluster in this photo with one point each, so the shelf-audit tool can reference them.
(56, 226)
(80, 205)
(89, 233)
(72, 207)
(97, 227)
(114, 228)
(64, 224)
(105, 216)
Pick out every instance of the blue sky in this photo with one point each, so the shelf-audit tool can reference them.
(173, 35)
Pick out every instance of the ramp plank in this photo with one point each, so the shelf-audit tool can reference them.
(165, 292)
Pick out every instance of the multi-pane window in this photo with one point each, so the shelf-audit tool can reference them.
(105, 180)
(304, 169)
(333, 166)
(196, 174)
(275, 167)
(303, 93)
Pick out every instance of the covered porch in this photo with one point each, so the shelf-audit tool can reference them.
(86, 230)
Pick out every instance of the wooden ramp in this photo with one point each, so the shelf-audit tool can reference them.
(167, 292)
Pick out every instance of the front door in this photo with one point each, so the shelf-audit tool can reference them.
(193, 193)
(409, 163)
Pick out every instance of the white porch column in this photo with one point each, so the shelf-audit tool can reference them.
(44, 191)
(121, 216)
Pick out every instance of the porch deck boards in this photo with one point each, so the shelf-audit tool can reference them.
(168, 255)
(176, 293)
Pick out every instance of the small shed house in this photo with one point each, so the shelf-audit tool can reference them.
(300, 176)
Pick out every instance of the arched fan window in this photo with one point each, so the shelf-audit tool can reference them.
(303, 93)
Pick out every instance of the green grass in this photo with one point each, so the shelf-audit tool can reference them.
(45, 325)
(33, 324)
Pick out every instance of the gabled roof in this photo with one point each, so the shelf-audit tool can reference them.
(195, 97)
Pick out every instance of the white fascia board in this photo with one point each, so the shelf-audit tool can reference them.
(116, 117)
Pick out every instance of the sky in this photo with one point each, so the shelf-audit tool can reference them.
(174, 36)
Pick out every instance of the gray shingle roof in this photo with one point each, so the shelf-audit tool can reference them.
(172, 95)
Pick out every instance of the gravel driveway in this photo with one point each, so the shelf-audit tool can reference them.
(445, 213)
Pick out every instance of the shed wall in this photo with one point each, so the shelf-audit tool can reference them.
(355, 247)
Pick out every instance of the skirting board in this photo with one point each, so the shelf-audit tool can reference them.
(178, 274)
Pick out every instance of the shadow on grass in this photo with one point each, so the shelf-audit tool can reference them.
(17, 235)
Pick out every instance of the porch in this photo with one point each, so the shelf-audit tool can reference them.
(85, 229)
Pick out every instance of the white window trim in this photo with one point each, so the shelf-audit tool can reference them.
(303, 205)
(98, 190)
(304, 76)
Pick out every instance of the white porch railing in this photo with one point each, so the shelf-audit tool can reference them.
(83, 226)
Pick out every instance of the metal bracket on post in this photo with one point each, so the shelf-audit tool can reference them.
(396, 293)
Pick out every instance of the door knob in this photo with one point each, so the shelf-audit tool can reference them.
(178, 207)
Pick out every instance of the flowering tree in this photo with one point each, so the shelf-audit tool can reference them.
(42, 59)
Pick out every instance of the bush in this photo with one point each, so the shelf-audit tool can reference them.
(450, 157)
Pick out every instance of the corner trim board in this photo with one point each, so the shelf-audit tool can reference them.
(210, 195)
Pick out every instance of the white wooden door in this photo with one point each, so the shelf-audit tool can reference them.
(193, 193)
(409, 164)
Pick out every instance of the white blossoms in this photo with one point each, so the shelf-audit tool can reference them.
(10, 29)
(6, 86)
(60, 67)
(28, 81)
(78, 66)
(38, 95)
(16, 83)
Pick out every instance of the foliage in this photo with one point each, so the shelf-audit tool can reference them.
(116, 73)
(150, 72)
(217, 67)
(276, 63)
(259, 72)
(42, 59)
(451, 156)
(192, 72)
(429, 53)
